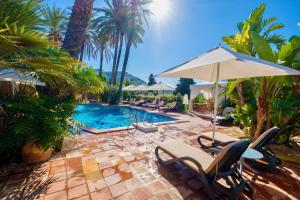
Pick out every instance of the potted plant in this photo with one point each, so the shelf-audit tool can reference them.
(42, 122)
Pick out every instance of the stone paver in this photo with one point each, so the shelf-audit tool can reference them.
(122, 166)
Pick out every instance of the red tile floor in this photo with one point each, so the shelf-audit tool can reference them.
(122, 166)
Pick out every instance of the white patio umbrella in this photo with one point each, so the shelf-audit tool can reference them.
(141, 88)
(129, 88)
(223, 64)
(17, 77)
(160, 87)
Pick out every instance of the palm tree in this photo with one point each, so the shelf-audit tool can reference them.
(112, 24)
(137, 14)
(78, 24)
(54, 22)
(102, 44)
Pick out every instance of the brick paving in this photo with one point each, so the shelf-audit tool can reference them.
(122, 166)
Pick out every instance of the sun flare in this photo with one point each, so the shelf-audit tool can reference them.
(160, 8)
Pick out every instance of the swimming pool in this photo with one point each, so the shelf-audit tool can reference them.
(107, 117)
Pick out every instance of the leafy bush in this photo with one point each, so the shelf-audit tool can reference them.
(179, 103)
(200, 99)
(110, 94)
(42, 119)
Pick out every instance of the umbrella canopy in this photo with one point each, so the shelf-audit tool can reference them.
(140, 88)
(14, 76)
(160, 87)
(129, 88)
(223, 64)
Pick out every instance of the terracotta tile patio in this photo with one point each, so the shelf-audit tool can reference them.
(122, 166)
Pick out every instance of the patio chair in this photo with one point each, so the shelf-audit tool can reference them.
(154, 102)
(170, 107)
(269, 162)
(210, 169)
(220, 140)
(262, 144)
(138, 103)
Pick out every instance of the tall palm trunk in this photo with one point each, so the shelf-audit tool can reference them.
(112, 79)
(82, 51)
(118, 59)
(101, 62)
(79, 20)
(126, 57)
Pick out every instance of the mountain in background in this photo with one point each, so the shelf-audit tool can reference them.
(128, 77)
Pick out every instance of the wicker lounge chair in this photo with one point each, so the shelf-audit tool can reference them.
(210, 169)
(269, 162)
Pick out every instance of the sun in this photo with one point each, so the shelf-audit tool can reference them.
(160, 8)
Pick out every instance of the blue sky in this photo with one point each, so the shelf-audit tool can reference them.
(193, 27)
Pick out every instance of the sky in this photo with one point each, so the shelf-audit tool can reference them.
(192, 27)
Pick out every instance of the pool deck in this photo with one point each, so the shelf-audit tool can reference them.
(122, 166)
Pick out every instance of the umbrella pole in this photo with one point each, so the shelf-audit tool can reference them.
(216, 102)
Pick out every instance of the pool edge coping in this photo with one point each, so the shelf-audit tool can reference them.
(124, 128)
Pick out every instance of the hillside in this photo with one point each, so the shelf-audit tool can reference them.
(128, 77)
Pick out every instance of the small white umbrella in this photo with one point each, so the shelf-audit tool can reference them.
(141, 88)
(223, 64)
(160, 87)
(129, 88)
(17, 77)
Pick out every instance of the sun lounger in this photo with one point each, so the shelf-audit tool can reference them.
(154, 102)
(269, 162)
(170, 107)
(210, 169)
(138, 103)
(220, 140)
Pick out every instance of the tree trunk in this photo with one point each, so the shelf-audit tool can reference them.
(82, 51)
(126, 57)
(239, 88)
(118, 59)
(77, 26)
(260, 117)
(101, 62)
(112, 78)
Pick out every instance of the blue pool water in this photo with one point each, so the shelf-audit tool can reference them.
(106, 117)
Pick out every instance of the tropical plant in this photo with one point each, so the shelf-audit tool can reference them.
(26, 48)
(242, 41)
(200, 99)
(42, 119)
(264, 93)
(54, 21)
(102, 44)
(152, 80)
(88, 81)
(78, 24)
(110, 94)
(112, 23)
(138, 13)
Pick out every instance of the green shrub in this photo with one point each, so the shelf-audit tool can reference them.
(200, 99)
(179, 103)
(110, 94)
(42, 119)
